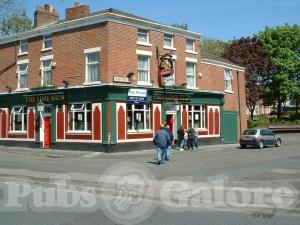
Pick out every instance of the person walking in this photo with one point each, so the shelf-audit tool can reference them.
(186, 138)
(191, 139)
(162, 141)
(169, 148)
(180, 135)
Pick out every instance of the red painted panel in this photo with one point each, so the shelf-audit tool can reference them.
(31, 124)
(97, 124)
(156, 119)
(121, 123)
(203, 132)
(66, 119)
(137, 136)
(217, 125)
(17, 136)
(79, 136)
(184, 119)
(47, 133)
(60, 124)
(211, 122)
(3, 127)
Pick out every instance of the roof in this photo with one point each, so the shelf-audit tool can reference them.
(219, 61)
(112, 15)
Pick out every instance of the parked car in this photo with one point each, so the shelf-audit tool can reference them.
(260, 138)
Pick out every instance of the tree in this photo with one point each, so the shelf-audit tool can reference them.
(249, 53)
(17, 22)
(283, 46)
(183, 26)
(213, 46)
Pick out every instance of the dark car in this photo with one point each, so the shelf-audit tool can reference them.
(259, 138)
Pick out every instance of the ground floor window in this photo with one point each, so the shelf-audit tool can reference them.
(80, 117)
(138, 117)
(197, 116)
(18, 119)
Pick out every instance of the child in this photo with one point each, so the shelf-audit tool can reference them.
(186, 136)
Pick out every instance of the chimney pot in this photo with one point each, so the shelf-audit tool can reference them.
(45, 15)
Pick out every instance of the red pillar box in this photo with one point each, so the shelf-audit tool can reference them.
(47, 132)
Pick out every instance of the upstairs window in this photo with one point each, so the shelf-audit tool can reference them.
(47, 42)
(23, 47)
(228, 79)
(18, 119)
(92, 66)
(190, 45)
(80, 117)
(168, 41)
(143, 36)
(143, 69)
(46, 70)
(22, 75)
(191, 74)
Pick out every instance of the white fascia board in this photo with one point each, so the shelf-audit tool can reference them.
(95, 19)
(222, 64)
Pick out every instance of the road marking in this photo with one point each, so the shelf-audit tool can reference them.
(285, 171)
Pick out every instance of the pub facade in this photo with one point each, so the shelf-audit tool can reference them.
(107, 80)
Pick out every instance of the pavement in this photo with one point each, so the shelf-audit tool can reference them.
(219, 184)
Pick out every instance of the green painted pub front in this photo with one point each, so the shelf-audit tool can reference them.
(99, 117)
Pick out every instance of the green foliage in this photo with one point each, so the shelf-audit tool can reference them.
(265, 122)
(183, 26)
(213, 46)
(283, 46)
(16, 23)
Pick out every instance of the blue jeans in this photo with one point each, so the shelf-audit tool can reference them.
(169, 151)
(181, 143)
(161, 154)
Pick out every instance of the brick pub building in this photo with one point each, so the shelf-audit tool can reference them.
(96, 78)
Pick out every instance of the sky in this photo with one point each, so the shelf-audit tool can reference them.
(218, 19)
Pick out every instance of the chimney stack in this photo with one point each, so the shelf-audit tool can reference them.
(45, 15)
(78, 11)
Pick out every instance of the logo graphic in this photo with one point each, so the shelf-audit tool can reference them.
(166, 66)
(128, 191)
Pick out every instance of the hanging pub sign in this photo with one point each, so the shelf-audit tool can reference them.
(166, 65)
(137, 96)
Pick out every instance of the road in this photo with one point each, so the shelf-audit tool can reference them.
(214, 185)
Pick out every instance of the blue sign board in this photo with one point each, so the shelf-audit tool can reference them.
(137, 96)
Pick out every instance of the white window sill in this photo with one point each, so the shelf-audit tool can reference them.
(143, 44)
(46, 49)
(140, 83)
(192, 87)
(21, 89)
(139, 131)
(229, 91)
(191, 52)
(79, 132)
(22, 53)
(91, 83)
(170, 48)
(17, 132)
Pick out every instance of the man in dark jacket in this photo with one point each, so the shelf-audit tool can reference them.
(169, 148)
(162, 141)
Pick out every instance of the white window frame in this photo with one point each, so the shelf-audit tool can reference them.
(228, 78)
(46, 58)
(23, 112)
(23, 44)
(169, 36)
(83, 109)
(194, 75)
(202, 112)
(46, 38)
(148, 55)
(131, 107)
(143, 32)
(87, 52)
(191, 51)
(20, 73)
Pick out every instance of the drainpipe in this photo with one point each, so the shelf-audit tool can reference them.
(239, 100)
